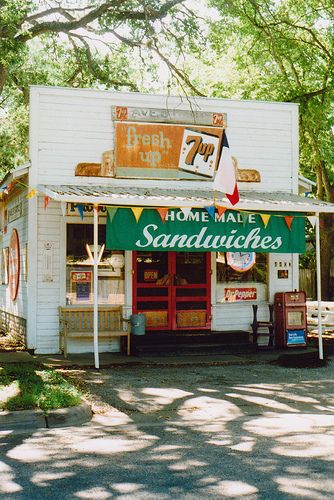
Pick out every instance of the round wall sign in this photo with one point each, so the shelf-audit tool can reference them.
(241, 261)
(14, 264)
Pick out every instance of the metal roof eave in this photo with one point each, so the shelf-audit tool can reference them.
(177, 198)
(17, 173)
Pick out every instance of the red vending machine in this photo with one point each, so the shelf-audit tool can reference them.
(290, 319)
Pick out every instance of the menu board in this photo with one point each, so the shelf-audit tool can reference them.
(82, 291)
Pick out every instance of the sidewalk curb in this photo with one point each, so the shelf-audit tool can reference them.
(37, 419)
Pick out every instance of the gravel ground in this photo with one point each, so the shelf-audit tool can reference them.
(255, 431)
(162, 391)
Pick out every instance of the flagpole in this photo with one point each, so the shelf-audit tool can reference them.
(95, 287)
(318, 262)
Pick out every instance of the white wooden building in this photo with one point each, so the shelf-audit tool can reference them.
(72, 146)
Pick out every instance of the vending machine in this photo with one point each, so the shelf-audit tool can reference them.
(290, 319)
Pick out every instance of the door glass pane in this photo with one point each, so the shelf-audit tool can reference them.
(190, 268)
(153, 291)
(152, 306)
(190, 305)
(190, 292)
(152, 268)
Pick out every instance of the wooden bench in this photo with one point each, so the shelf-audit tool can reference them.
(327, 318)
(77, 322)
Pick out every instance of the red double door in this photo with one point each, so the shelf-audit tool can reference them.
(172, 289)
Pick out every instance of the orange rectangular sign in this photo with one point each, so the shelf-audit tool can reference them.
(81, 276)
(190, 148)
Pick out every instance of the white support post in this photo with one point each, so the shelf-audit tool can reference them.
(318, 261)
(95, 284)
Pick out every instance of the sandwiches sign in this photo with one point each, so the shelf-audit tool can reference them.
(199, 232)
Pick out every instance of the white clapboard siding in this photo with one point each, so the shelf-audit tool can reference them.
(48, 292)
(282, 261)
(237, 316)
(75, 126)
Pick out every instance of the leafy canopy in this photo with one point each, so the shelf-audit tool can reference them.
(108, 44)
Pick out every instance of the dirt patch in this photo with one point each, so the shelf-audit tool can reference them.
(307, 360)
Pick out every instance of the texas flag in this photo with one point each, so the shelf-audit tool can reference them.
(225, 179)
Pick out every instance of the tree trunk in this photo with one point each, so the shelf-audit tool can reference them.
(3, 76)
(326, 242)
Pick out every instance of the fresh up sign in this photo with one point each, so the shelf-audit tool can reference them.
(199, 232)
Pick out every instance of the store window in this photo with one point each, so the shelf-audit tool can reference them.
(241, 276)
(79, 268)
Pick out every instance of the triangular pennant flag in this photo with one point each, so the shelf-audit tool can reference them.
(163, 213)
(63, 208)
(220, 210)
(288, 220)
(312, 220)
(111, 212)
(211, 211)
(46, 201)
(244, 216)
(80, 208)
(186, 211)
(31, 193)
(137, 211)
(265, 219)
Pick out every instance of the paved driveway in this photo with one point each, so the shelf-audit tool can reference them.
(254, 431)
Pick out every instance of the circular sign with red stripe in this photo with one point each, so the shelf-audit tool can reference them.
(14, 264)
(241, 261)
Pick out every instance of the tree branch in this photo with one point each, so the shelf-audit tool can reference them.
(179, 73)
(309, 95)
(65, 27)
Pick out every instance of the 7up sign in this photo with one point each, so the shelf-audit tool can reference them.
(199, 152)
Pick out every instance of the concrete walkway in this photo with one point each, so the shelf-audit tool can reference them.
(86, 360)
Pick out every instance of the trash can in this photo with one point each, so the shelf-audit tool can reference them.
(138, 322)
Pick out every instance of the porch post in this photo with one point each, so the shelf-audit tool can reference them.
(95, 285)
(317, 249)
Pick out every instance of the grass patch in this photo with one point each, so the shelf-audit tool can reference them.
(32, 386)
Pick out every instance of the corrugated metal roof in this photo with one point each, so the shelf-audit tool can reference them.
(158, 197)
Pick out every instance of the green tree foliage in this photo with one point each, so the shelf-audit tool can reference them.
(117, 44)
(284, 50)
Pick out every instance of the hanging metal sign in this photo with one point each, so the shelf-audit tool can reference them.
(167, 143)
(15, 212)
(162, 147)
